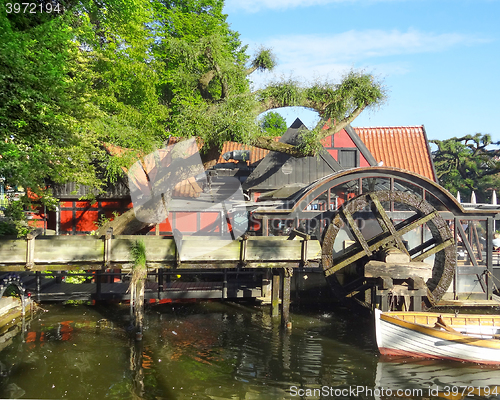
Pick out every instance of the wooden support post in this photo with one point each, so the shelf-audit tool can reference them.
(285, 300)
(177, 256)
(384, 301)
(275, 291)
(98, 287)
(38, 285)
(265, 227)
(303, 252)
(160, 282)
(224, 285)
(419, 289)
(266, 284)
(490, 230)
(455, 276)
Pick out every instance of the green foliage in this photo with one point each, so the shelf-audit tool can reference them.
(286, 93)
(309, 141)
(7, 228)
(336, 101)
(74, 278)
(16, 222)
(43, 105)
(138, 252)
(264, 60)
(204, 72)
(103, 220)
(357, 90)
(273, 124)
(466, 164)
(11, 291)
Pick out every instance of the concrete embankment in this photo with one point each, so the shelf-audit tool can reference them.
(11, 318)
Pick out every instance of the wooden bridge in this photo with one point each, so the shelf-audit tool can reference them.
(228, 268)
(54, 253)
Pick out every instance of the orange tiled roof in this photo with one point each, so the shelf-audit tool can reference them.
(402, 147)
(256, 153)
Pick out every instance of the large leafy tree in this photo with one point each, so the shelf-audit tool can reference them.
(43, 103)
(135, 72)
(273, 124)
(468, 163)
(72, 79)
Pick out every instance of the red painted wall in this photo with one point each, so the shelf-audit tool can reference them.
(334, 154)
(342, 139)
(362, 161)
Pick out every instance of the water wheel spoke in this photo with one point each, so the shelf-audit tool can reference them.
(344, 262)
(414, 222)
(379, 241)
(422, 247)
(433, 250)
(356, 232)
(387, 223)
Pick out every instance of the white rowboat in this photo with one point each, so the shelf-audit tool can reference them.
(462, 337)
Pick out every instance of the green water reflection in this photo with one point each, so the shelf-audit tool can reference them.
(200, 351)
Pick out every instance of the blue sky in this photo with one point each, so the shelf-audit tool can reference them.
(439, 59)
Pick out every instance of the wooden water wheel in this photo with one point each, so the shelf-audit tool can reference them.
(344, 263)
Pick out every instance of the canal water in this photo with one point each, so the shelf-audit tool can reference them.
(214, 350)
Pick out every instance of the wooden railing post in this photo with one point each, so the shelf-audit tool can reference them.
(243, 250)
(224, 284)
(30, 251)
(107, 248)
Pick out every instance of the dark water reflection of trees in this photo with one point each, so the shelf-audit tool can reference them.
(202, 351)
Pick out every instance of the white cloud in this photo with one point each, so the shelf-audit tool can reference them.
(331, 55)
(257, 5)
(356, 45)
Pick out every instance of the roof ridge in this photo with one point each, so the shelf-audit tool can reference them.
(389, 127)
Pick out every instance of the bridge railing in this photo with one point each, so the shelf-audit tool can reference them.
(89, 252)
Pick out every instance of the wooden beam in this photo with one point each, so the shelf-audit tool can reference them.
(465, 241)
(387, 222)
(355, 230)
(377, 242)
(376, 269)
(433, 250)
(422, 246)
(285, 298)
(275, 291)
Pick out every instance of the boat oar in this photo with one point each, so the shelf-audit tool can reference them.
(441, 324)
